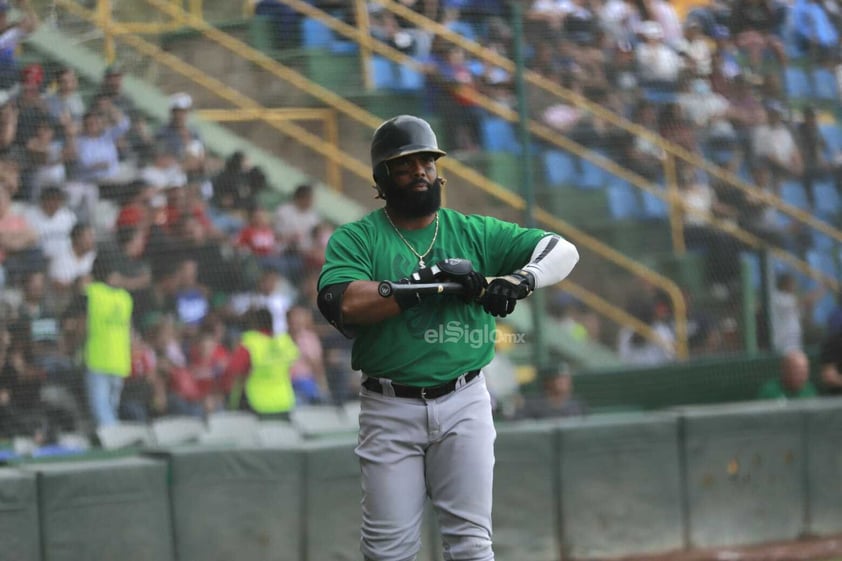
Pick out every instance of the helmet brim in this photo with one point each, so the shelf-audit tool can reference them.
(414, 149)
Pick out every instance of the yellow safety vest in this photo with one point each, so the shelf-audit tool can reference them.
(269, 388)
(108, 348)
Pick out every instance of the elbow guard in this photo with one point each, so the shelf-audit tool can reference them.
(330, 305)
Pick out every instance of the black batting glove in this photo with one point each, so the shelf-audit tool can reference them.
(502, 293)
(462, 271)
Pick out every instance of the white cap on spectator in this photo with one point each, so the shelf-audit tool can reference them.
(181, 100)
(651, 30)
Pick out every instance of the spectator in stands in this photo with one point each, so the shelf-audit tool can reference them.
(272, 293)
(178, 138)
(830, 361)
(53, 221)
(788, 307)
(8, 123)
(674, 126)
(112, 88)
(756, 214)
(144, 390)
(294, 220)
(23, 382)
(284, 20)
(159, 300)
(96, 161)
(108, 311)
(18, 240)
(66, 104)
(696, 47)
(67, 268)
(258, 240)
(215, 271)
(257, 376)
(754, 24)
(196, 390)
(557, 399)
(314, 257)
(708, 112)
(163, 171)
(815, 34)
(11, 35)
(658, 64)
(775, 147)
(455, 103)
(819, 160)
(192, 303)
(32, 107)
(309, 380)
(700, 205)
(637, 349)
(620, 19)
(45, 158)
(794, 381)
(643, 155)
(231, 189)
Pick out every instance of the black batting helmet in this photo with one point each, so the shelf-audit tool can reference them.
(400, 136)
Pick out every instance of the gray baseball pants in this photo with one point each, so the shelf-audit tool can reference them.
(411, 449)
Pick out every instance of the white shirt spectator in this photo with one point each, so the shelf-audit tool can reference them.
(53, 231)
(669, 20)
(774, 142)
(296, 225)
(163, 178)
(702, 107)
(67, 267)
(647, 353)
(786, 321)
(278, 304)
(656, 62)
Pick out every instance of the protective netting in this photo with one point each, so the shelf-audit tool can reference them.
(202, 238)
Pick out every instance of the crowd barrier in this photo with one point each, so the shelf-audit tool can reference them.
(592, 488)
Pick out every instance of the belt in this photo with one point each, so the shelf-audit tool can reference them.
(433, 392)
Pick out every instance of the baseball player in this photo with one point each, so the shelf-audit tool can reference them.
(426, 427)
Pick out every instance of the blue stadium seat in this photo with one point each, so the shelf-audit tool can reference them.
(559, 168)
(315, 34)
(344, 47)
(383, 75)
(793, 192)
(463, 28)
(797, 83)
(827, 201)
(832, 134)
(654, 207)
(822, 261)
(409, 79)
(659, 96)
(821, 241)
(623, 202)
(824, 84)
(498, 135)
(823, 309)
(592, 176)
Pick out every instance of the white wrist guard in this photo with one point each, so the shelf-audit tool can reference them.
(552, 260)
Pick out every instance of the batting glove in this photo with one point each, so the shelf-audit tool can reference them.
(452, 270)
(503, 292)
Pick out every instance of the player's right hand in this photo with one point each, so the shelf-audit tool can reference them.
(462, 271)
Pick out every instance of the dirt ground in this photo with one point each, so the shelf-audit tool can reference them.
(814, 549)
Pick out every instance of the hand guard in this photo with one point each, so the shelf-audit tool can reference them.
(462, 271)
(455, 270)
(503, 292)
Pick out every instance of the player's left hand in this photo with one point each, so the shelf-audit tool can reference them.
(502, 293)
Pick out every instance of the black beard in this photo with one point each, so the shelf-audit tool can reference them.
(408, 203)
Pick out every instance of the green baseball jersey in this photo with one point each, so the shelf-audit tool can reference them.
(442, 337)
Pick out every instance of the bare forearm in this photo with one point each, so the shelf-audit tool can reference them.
(363, 305)
(831, 377)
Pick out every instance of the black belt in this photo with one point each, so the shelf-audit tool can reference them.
(433, 392)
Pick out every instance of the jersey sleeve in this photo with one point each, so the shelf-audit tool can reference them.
(508, 246)
(346, 257)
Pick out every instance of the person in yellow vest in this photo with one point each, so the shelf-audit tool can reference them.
(107, 349)
(263, 358)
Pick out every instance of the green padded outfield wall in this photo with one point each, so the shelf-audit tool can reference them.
(744, 478)
(236, 503)
(525, 517)
(620, 488)
(823, 440)
(19, 537)
(104, 510)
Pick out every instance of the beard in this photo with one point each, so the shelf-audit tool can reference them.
(409, 203)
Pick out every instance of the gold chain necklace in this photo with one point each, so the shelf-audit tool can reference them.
(409, 245)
